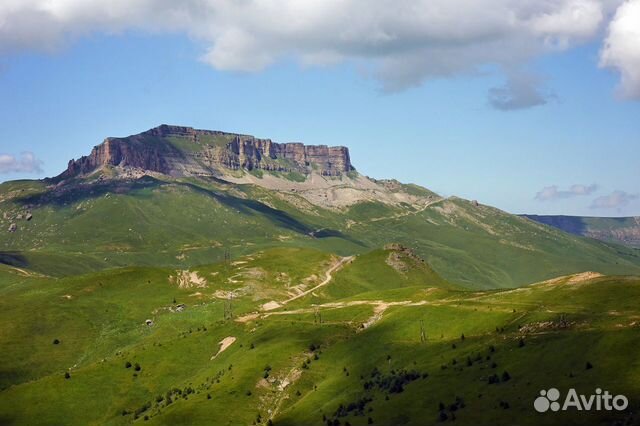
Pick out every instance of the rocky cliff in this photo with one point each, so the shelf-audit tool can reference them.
(184, 151)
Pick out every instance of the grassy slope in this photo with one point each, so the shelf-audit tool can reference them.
(483, 247)
(191, 222)
(101, 327)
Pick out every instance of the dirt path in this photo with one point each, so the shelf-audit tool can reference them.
(328, 277)
(399, 215)
(25, 273)
(224, 344)
(379, 308)
(281, 394)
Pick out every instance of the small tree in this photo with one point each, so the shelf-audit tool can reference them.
(506, 376)
(56, 341)
(588, 366)
(67, 375)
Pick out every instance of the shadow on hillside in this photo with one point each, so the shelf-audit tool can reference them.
(571, 224)
(13, 259)
(74, 193)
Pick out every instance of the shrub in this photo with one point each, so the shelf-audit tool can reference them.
(67, 375)
(588, 366)
(127, 365)
(506, 376)
(56, 341)
(137, 367)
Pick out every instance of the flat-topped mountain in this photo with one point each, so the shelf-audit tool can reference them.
(184, 151)
(209, 273)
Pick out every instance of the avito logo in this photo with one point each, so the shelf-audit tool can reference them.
(550, 400)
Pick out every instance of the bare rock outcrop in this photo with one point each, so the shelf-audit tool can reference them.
(184, 151)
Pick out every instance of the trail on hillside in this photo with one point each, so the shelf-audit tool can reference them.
(379, 307)
(328, 277)
(25, 273)
(398, 215)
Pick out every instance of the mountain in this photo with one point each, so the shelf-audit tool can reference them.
(184, 151)
(621, 230)
(177, 197)
(193, 277)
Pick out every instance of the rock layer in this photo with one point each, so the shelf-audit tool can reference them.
(184, 151)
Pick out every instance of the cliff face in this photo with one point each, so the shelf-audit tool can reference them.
(183, 151)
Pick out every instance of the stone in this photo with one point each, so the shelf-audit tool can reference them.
(13, 227)
(210, 153)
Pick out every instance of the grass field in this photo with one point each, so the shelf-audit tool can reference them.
(350, 351)
(194, 301)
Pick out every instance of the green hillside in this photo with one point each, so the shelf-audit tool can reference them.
(403, 346)
(131, 297)
(94, 225)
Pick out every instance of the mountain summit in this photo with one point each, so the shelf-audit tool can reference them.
(184, 151)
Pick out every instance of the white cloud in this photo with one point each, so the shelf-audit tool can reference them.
(621, 49)
(550, 193)
(26, 163)
(615, 200)
(403, 42)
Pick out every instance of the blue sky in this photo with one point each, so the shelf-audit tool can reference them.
(442, 132)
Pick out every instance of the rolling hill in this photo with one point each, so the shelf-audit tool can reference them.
(185, 276)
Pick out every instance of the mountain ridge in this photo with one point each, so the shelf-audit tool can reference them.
(621, 230)
(184, 151)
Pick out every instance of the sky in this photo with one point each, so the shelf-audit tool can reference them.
(530, 106)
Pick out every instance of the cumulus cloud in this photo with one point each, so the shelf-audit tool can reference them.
(402, 42)
(26, 163)
(615, 200)
(621, 49)
(550, 193)
(522, 90)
